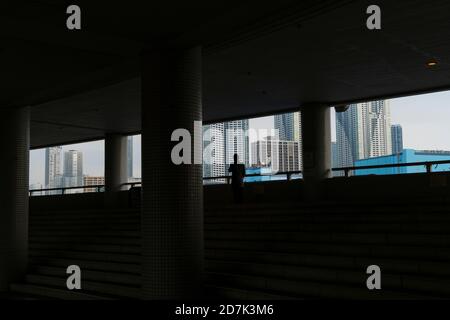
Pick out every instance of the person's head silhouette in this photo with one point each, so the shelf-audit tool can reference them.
(235, 158)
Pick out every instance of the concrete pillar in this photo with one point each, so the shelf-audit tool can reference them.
(14, 162)
(116, 159)
(316, 147)
(172, 204)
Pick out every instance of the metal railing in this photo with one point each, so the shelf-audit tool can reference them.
(427, 164)
(132, 184)
(62, 190)
(347, 170)
(288, 175)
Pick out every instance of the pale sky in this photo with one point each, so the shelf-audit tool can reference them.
(425, 120)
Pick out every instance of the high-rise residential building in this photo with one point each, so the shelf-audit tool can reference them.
(289, 156)
(378, 132)
(347, 137)
(93, 181)
(214, 150)
(334, 154)
(363, 131)
(130, 157)
(237, 141)
(397, 138)
(284, 123)
(73, 168)
(289, 126)
(265, 153)
(220, 142)
(53, 168)
(278, 155)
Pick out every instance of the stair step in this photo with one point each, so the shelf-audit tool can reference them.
(86, 274)
(87, 228)
(84, 255)
(304, 289)
(414, 228)
(367, 211)
(360, 238)
(240, 294)
(85, 217)
(88, 287)
(79, 240)
(88, 265)
(87, 247)
(373, 251)
(332, 216)
(426, 202)
(392, 265)
(394, 282)
(84, 212)
(83, 223)
(49, 292)
(86, 233)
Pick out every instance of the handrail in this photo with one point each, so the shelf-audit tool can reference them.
(98, 188)
(63, 189)
(289, 174)
(427, 164)
(132, 184)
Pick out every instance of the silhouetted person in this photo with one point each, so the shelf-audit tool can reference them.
(237, 179)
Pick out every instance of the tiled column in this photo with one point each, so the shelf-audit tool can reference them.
(14, 161)
(172, 205)
(316, 147)
(115, 166)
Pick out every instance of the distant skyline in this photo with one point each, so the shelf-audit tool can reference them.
(93, 159)
(425, 120)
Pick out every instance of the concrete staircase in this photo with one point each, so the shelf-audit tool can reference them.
(255, 251)
(105, 244)
(294, 251)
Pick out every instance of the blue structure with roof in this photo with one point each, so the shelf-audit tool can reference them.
(407, 156)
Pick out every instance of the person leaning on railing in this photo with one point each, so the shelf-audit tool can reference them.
(237, 179)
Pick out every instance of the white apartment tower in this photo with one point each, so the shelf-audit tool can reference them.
(73, 168)
(265, 153)
(53, 169)
(363, 131)
(214, 150)
(237, 141)
(289, 126)
(278, 155)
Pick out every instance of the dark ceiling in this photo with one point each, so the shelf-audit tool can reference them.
(259, 57)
